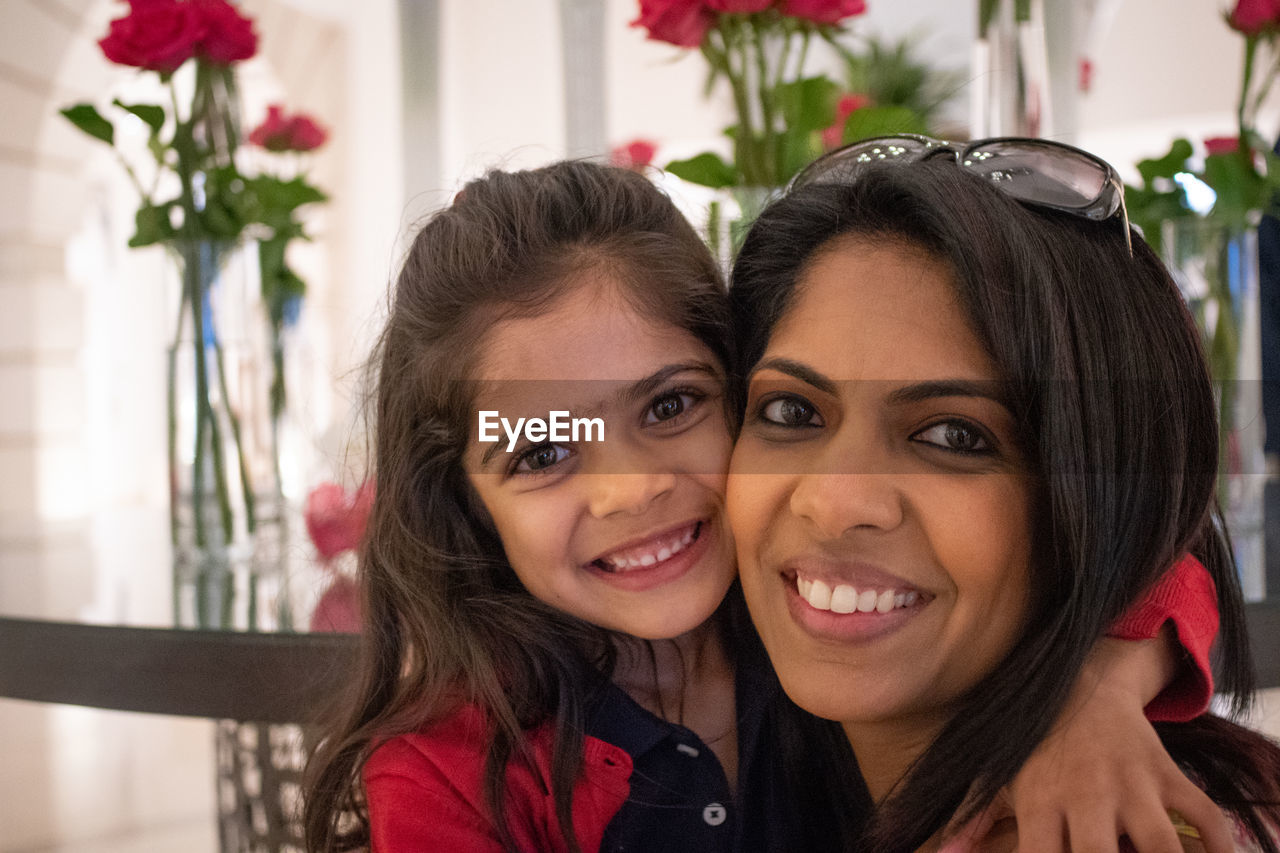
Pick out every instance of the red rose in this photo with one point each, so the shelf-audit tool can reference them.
(635, 155)
(1253, 16)
(229, 36)
(845, 107)
(281, 132)
(679, 22)
(158, 35)
(336, 520)
(338, 610)
(1222, 145)
(738, 7)
(824, 12)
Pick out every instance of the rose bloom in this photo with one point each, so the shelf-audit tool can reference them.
(1222, 145)
(282, 132)
(336, 519)
(823, 12)
(158, 35)
(635, 155)
(679, 22)
(229, 36)
(1253, 16)
(739, 7)
(848, 104)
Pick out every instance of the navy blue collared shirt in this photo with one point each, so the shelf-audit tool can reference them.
(680, 798)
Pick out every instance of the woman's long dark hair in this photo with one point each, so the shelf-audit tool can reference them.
(445, 618)
(1105, 376)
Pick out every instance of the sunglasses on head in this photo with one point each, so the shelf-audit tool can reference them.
(1037, 172)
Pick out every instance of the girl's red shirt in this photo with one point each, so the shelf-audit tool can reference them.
(425, 790)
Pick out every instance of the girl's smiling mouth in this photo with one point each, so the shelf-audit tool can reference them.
(654, 560)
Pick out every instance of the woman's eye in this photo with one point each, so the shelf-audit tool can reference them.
(956, 436)
(540, 458)
(791, 411)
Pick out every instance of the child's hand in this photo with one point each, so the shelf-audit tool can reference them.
(1102, 772)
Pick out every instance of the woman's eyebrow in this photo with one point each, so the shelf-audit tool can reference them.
(920, 391)
(798, 370)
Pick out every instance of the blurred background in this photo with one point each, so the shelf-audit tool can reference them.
(415, 97)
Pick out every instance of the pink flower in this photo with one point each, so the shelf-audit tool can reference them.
(848, 104)
(229, 36)
(635, 155)
(282, 132)
(336, 519)
(338, 610)
(678, 22)
(158, 35)
(738, 7)
(1251, 17)
(1222, 145)
(823, 12)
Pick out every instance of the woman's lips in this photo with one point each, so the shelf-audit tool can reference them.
(849, 604)
(657, 560)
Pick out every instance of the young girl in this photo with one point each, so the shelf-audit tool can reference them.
(975, 394)
(555, 653)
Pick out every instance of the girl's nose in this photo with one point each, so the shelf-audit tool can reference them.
(630, 493)
(838, 504)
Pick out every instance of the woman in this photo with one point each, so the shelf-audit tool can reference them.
(978, 424)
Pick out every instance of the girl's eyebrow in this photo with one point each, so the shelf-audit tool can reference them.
(796, 369)
(645, 387)
(636, 391)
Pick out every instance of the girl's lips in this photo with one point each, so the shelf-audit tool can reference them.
(643, 566)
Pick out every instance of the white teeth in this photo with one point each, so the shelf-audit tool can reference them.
(820, 596)
(665, 551)
(844, 599)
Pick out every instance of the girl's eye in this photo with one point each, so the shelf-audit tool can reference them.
(790, 411)
(670, 405)
(955, 436)
(539, 458)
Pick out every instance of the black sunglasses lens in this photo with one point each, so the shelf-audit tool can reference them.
(1047, 175)
(845, 165)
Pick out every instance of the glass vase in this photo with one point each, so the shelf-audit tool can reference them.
(1216, 269)
(227, 514)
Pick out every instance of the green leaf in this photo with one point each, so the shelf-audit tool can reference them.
(152, 115)
(152, 226)
(1168, 165)
(808, 104)
(706, 169)
(869, 122)
(1240, 189)
(87, 118)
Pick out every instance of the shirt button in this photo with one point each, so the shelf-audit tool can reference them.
(714, 814)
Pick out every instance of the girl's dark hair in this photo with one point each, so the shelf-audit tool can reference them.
(445, 618)
(1103, 371)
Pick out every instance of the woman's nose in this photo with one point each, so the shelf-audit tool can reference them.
(837, 504)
